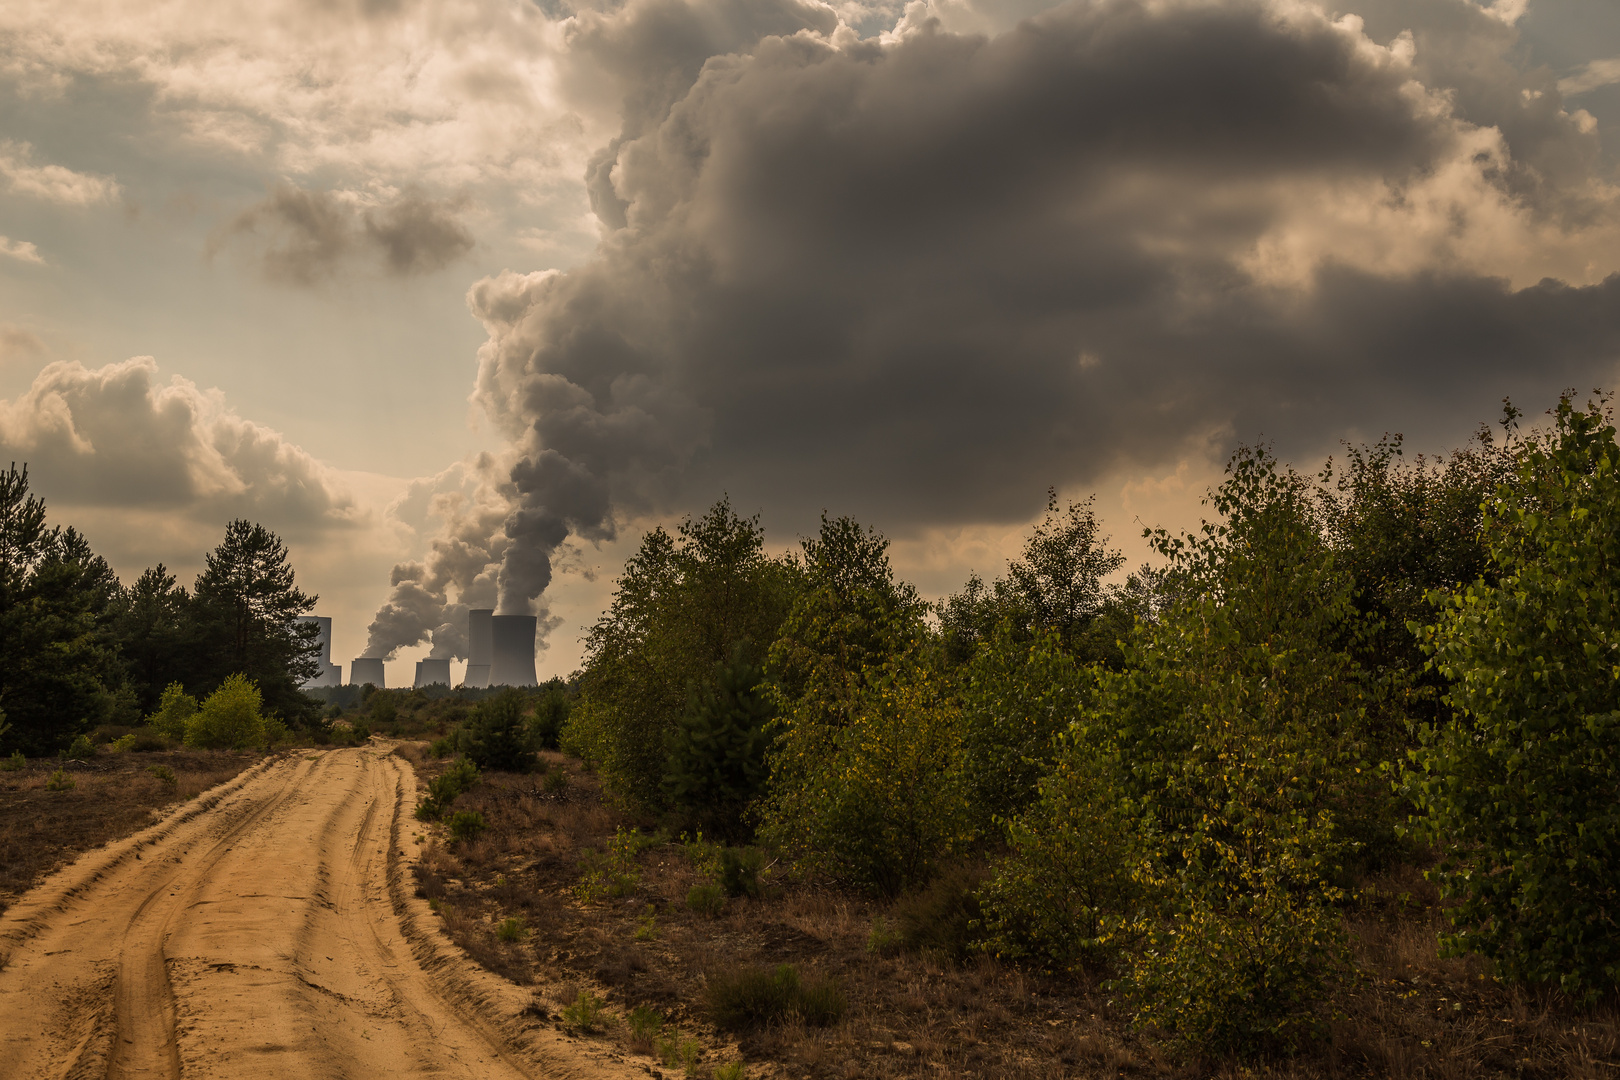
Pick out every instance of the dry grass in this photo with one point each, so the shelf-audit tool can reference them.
(1412, 1014)
(113, 795)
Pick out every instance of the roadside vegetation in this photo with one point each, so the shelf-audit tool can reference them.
(1327, 789)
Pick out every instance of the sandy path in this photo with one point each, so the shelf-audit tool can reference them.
(266, 929)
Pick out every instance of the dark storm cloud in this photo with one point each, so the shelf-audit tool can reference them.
(302, 237)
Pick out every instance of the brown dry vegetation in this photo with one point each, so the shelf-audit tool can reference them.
(1407, 1014)
(112, 796)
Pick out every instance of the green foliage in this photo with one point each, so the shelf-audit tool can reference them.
(230, 718)
(676, 1049)
(614, 872)
(460, 776)
(1519, 790)
(175, 709)
(943, 920)
(123, 744)
(511, 929)
(741, 870)
(716, 752)
(708, 899)
(874, 794)
(883, 939)
(647, 925)
(163, 775)
(734, 1070)
(15, 763)
(383, 707)
(750, 998)
(586, 1013)
(60, 781)
(1070, 872)
(556, 781)
(551, 708)
(646, 1023)
(81, 748)
(684, 604)
(498, 736)
(276, 733)
(467, 825)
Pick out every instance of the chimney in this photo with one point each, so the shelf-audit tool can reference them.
(367, 669)
(330, 674)
(432, 671)
(480, 647)
(513, 661)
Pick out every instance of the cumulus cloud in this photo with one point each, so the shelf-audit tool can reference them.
(116, 437)
(920, 278)
(53, 183)
(21, 250)
(302, 237)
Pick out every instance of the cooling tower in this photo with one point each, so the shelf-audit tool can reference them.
(513, 661)
(330, 674)
(480, 647)
(366, 669)
(432, 671)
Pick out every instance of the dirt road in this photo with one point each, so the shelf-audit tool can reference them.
(265, 929)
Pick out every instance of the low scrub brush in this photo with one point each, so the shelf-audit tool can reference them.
(754, 997)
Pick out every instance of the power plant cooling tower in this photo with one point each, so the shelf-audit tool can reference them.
(366, 669)
(480, 647)
(513, 661)
(432, 671)
(330, 674)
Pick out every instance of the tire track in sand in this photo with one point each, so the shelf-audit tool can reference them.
(266, 930)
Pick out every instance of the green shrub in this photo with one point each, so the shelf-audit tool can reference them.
(883, 939)
(647, 925)
(164, 775)
(753, 997)
(383, 707)
(460, 776)
(943, 920)
(556, 781)
(586, 1013)
(60, 781)
(740, 870)
(175, 708)
(440, 748)
(149, 742)
(550, 714)
(676, 1049)
(466, 825)
(611, 873)
(716, 762)
(230, 718)
(708, 900)
(123, 744)
(1518, 791)
(735, 1070)
(511, 929)
(276, 733)
(497, 736)
(645, 1023)
(81, 748)
(15, 763)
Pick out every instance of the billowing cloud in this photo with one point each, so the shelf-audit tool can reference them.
(115, 437)
(303, 237)
(922, 277)
(21, 250)
(53, 183)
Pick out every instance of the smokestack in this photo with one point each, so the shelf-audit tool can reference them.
(330, 674)
(367, 669)
(432, 671)
(513, 642)
(480, 646)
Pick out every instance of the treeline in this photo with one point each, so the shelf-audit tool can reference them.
(1171, 781)
(79, 650)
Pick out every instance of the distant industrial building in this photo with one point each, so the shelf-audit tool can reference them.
(480, 647)
(512, 662)
(367, 669)
(432, 670)
(330, 674)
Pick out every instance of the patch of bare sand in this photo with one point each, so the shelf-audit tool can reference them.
(263, 930)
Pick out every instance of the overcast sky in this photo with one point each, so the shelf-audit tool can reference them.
(461, 297)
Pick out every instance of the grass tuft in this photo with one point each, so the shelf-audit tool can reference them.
(754, 997)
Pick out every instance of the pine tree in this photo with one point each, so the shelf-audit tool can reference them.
(717, 750)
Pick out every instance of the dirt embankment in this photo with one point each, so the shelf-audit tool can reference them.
(264, 929)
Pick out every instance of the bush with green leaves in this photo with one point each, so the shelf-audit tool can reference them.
(60, 781)
(717, 764)
(742, 871)
(230, 717)
(707, 899)
(459, 776)
(175, 709)
(467, 825)
(875, 798)
(81, 748)
(1518, 791)
(15, 763)
(586, 1012)
(613, 873)
(498, 736)
(751, 998)
(164, 775)
(511, 930)
(551, 707)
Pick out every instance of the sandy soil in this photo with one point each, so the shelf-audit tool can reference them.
(264, 929)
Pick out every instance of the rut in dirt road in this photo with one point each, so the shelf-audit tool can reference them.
(265, 930)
